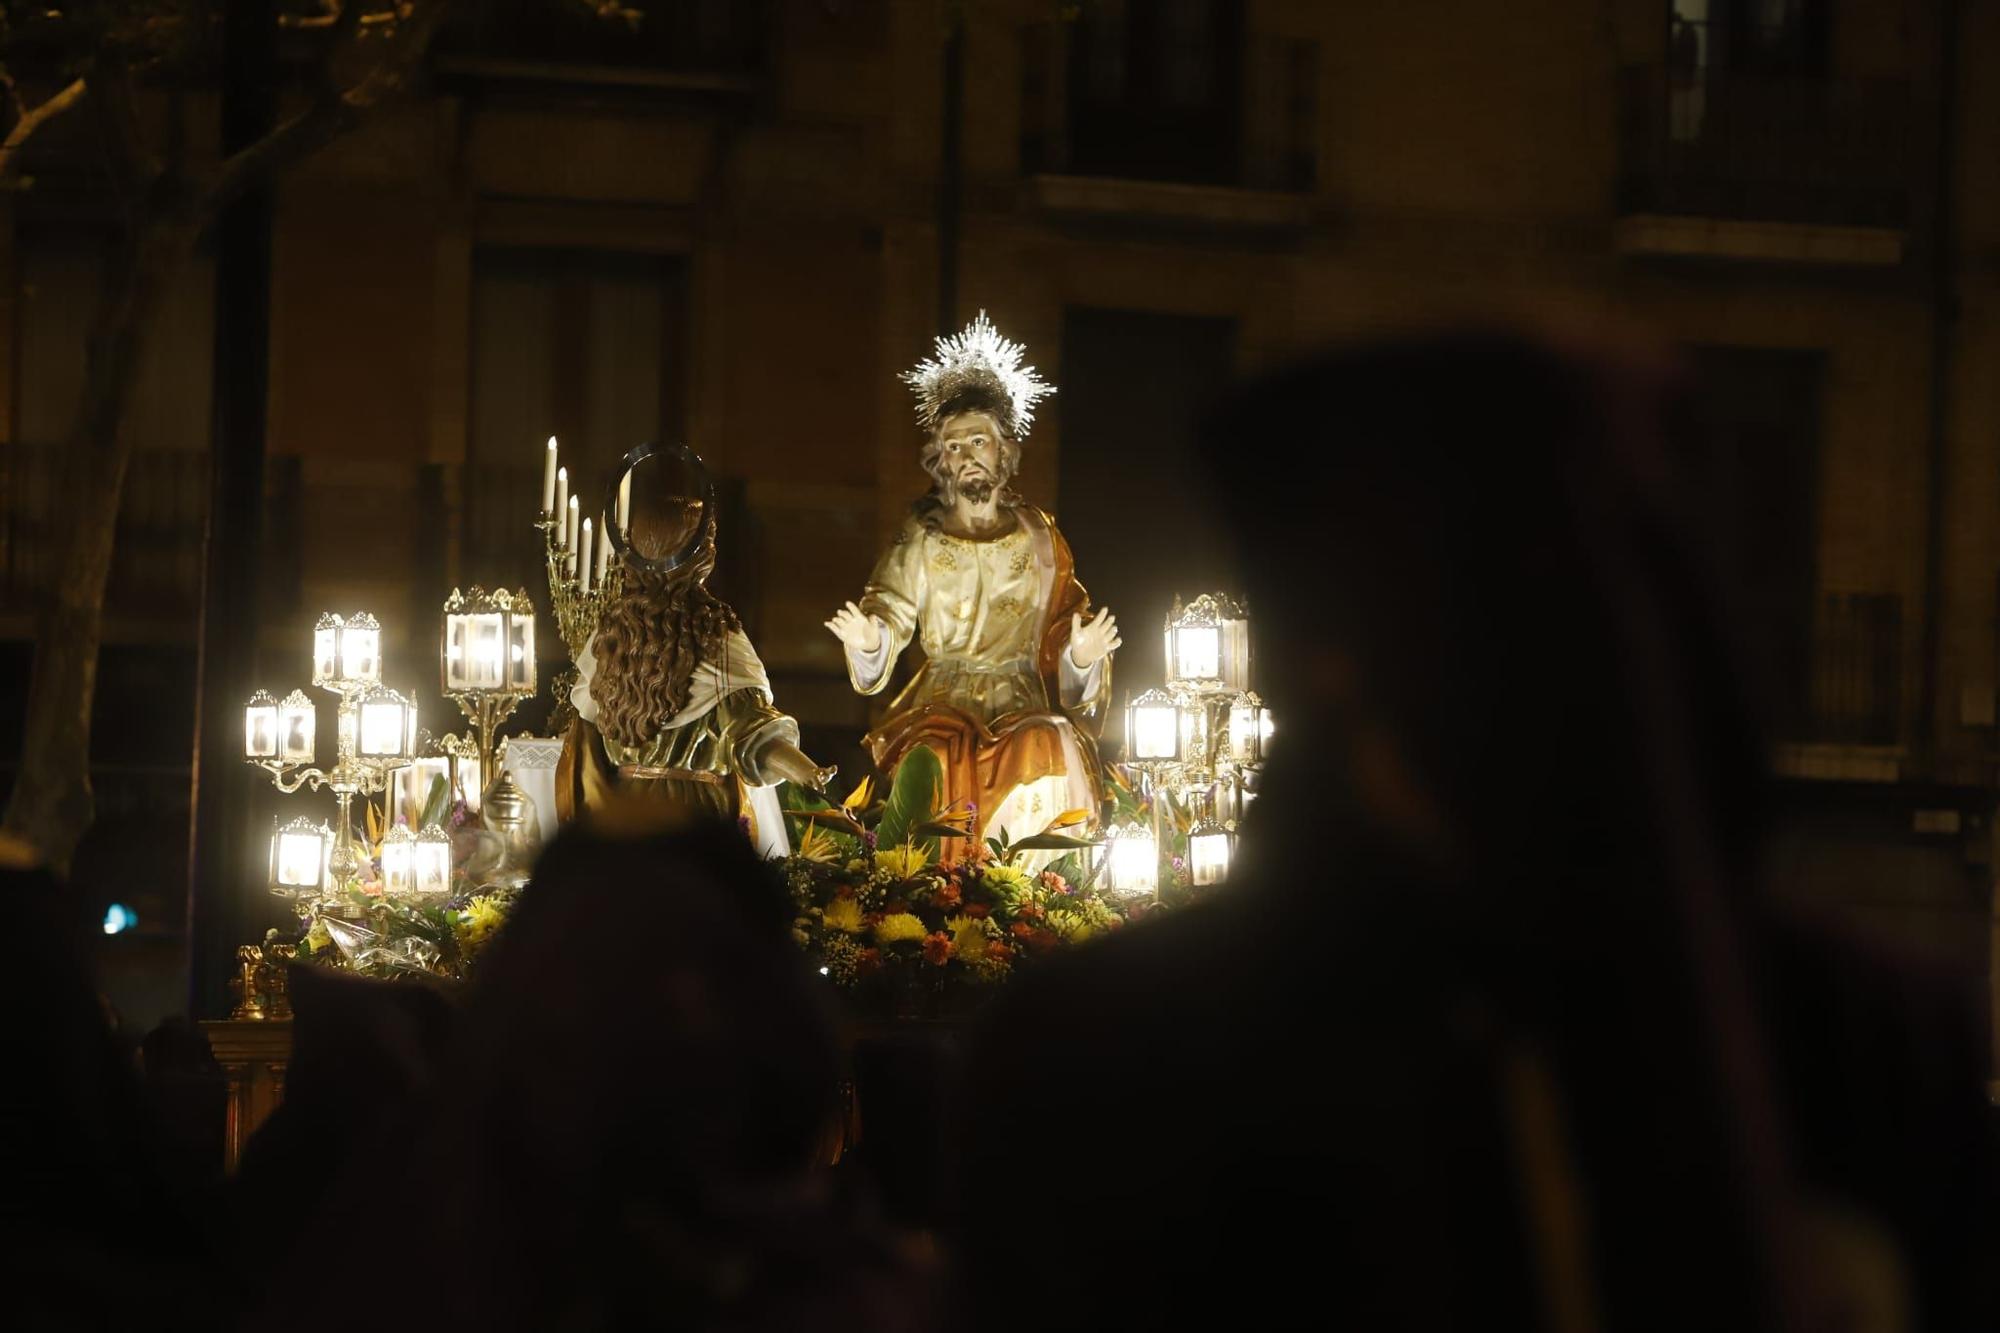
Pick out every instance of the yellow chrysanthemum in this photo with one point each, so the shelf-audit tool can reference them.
(904, 862)
(1008, 881)
(899, 926)
(477, 922)
(968, 936)
(843, 914)
(317, 939)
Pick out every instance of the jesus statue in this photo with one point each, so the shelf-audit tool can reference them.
(1017, 670)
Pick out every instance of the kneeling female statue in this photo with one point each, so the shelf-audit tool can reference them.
(672, 698)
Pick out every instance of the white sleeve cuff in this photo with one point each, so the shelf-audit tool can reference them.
(1078, 683)
(869, 668)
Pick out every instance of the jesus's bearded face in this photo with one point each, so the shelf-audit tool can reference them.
(970, 457)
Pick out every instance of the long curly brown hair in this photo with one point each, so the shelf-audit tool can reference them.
(649, 642)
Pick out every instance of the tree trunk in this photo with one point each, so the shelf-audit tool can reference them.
(52, 804)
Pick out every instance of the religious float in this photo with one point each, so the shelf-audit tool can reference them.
(995, 836)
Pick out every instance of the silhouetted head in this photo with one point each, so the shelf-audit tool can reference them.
(1484, 582)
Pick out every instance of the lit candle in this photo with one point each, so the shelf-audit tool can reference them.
(562, 506)
(549, 478)
(624, 501)
(573, 533)
(585, 571)
(603, 548)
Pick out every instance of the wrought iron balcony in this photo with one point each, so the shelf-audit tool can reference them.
(1826, 151)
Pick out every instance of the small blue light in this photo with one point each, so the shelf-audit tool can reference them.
(118, 917)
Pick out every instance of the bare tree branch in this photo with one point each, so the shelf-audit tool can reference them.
(408, 41)
(31, 121)
(332, 110)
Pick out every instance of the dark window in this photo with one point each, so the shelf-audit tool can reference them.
(1156, 90)
(1753, 37)
(1130, 493)
(1758, 453)
(587, 346)
(1744, 118)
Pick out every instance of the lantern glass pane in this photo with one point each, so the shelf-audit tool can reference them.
(433, 862)
(326, 653)
(1155, 731)
(399, 856)
(470, 780)
(297, 728)
(1247, 726)
(1197, 652)
(1235, 664)
(1134, 865)
(1208, 855)
(477, 656)
(260, 731)
(1194, 733)
(521, 652)
(383, 728)
(301, 859)
(456, 669)
(361, 653)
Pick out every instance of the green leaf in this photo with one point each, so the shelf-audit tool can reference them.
(931, 828)
(1053, 842)
(913, 799)
(803, 807)
(436, 802)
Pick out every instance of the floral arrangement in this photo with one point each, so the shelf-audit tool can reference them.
(886, 914)
(896, 903)
(371, 932)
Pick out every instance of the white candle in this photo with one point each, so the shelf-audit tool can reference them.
(585, 571)
(603, 548)
(624, 501)
(549, 478)
(562, 506)
(572, 532)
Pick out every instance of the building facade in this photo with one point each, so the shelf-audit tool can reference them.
(738, 224)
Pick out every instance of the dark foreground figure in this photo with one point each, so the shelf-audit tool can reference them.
(1490, 1029)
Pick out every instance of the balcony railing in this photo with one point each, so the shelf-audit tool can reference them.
(1267, 140)
(1800, 150)
(1855, 692)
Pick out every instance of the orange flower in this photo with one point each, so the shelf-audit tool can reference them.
(938, 949)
